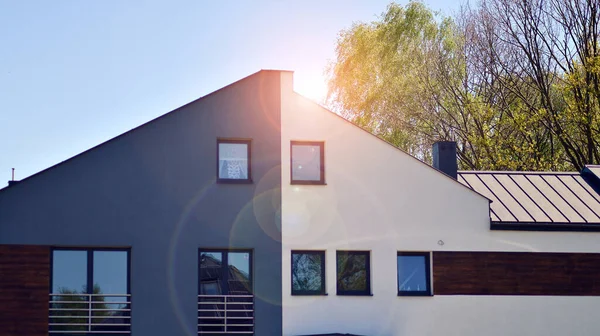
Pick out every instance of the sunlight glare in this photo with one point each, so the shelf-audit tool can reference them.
(311, 85)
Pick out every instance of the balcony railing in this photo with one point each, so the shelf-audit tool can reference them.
(226, 314)
(90, 314)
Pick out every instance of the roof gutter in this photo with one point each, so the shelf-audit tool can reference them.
(544, 226)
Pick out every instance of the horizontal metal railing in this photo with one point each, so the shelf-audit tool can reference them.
(225, 314)
(90, 314)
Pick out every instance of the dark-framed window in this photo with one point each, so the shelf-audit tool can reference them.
(307, 162)
(308, 272)
(353, 272)
(414, 277)
(90, 291)
(225, 272)
(234, 160)
(225, 300)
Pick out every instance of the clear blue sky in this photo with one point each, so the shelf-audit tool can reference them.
(76, 73)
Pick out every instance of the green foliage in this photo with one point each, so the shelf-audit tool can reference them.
(76, 308)
(489, 78)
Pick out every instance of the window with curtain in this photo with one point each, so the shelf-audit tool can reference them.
(233, 164)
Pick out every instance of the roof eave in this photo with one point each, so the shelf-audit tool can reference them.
(544, 226)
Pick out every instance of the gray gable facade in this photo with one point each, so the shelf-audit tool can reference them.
(153, 190)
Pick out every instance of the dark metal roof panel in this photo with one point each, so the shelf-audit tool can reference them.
(595, 169)
(592, 203)
(524, 199)
(548, 191)
(540, 200)
(537, 197)
(509, 202)
(587, 187)
(572, 199)
(493, 215)
(500, 211)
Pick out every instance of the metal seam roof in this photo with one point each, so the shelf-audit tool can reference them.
(556, 198)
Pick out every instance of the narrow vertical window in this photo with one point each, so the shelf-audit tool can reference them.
(307, 162)
(353, 273)
(413, 274)
(233, 161)
(225, 300)
(308, 272)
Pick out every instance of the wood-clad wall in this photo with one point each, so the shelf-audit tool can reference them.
(24, 289)
(516, 273)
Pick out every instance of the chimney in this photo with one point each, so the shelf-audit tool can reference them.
(444, 157)
(12, 182)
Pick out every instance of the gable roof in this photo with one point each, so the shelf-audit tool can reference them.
(400, 150)
(538, 200)
(131, 131)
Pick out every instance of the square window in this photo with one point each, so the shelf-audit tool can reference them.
(353, 273)
(225, 272)
(308, 162)
(308, 272)
(233, 164)
(413, 274)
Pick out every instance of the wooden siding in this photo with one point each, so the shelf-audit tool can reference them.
(516, 273)
(24, 289)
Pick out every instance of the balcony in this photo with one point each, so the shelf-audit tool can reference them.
(89, 314)
(225, 314)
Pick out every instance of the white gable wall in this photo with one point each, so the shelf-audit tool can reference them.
(379, 199)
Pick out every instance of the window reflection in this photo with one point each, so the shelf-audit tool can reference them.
(69, 271)
(211, 273)
(239, 273)
(308, 272)
(225, 273)
(413, 273)
(225, 304)
(69, 280)
(90, 290)
(110, 271)
(353, 272)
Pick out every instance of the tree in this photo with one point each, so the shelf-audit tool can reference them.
(75, 311)
(555, 47)
(515, 83)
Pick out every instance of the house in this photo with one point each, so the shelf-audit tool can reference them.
(253, 210)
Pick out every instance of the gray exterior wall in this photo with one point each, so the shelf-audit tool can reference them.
(153, 189)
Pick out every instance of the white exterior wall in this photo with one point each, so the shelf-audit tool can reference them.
(380, 199)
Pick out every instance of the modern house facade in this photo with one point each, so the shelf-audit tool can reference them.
(152, 192)
(254, 210)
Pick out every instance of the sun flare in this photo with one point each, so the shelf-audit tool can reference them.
(311, 85)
